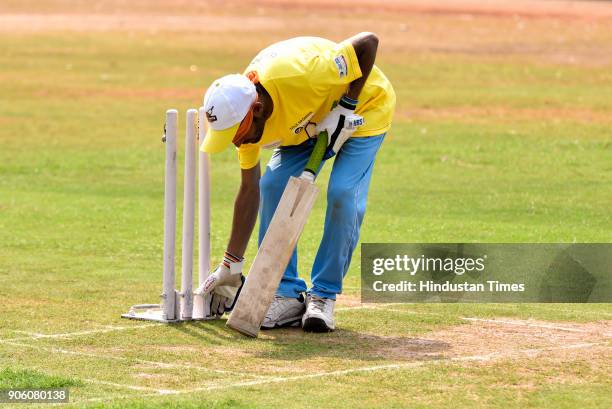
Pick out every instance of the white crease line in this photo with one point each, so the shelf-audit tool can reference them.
(197, 368)
(359, 307)
(517, 322)
(57, 350)
(264, 381)
(570, 346)
(383, 307)
(138, 360)
(503, 306)
(380, 307)
(529, 351)
(390, 366)
(132, 387)
(524, 324)
(487, 357)
(437, 314)
(267, 379)
(35, 335)
(554, 308)
(302, 377)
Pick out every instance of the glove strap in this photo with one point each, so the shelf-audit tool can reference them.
(231, 307)
(348, 103)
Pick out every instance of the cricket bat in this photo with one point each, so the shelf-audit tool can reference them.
(277, 246)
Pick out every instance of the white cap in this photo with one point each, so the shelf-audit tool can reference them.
(227, 101)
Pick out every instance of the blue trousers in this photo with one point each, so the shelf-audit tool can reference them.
(347, 195)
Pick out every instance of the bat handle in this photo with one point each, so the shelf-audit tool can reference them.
(316, 157)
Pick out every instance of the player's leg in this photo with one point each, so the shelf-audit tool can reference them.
(346, 204)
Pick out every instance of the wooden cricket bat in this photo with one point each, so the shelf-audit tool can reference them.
(277, 246)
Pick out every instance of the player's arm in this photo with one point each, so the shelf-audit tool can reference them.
(365, 45)
(342, 121)
(245, 211)
(225, 282)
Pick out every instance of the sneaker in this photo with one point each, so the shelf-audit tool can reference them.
(284, 312)
(319, 316)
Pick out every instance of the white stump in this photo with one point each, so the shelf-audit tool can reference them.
(202, 304)
(188, 215)
(169, 300)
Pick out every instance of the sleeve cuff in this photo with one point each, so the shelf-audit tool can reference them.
(248, 158)
(348, 48)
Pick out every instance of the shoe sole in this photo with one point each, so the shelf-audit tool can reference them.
(314, 324)
(293, 322)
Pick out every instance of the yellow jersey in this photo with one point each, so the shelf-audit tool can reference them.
(306, 77)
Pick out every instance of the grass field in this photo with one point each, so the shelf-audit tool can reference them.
(503, 133)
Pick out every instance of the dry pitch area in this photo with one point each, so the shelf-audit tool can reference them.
(502, 135)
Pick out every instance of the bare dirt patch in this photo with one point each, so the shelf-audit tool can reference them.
(559, 32)
(124, 92)
(109, 22)
(488, 339)
(527, 8)
(6, 120)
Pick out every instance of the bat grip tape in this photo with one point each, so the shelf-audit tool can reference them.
(316, 157)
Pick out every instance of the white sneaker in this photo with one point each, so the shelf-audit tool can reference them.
(319, 316)
(284, 312)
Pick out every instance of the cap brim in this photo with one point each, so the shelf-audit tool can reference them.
(218, 141)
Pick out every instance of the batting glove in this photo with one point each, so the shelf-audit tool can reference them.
(224, 298)
(340, 124)
(224, 285)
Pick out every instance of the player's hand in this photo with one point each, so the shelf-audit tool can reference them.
(217, 306)
(228, 274)
(224, 298)
(340, 124)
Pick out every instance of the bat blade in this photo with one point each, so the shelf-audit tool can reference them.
(273, 256)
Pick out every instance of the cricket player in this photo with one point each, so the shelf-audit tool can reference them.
(288, 94)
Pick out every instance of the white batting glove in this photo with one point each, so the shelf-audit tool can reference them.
(217, 306)
(340, 124)
(225, 281)
(219, 303)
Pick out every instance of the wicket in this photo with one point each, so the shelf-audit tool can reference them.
(184, 305)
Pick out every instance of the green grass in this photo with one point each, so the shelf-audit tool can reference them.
(439, 387)
(485, 148)
(28, 379)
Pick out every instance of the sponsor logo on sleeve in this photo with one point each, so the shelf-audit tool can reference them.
(341, 65)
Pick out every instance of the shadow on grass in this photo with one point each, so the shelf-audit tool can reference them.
(295, 344)
(213, 332)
